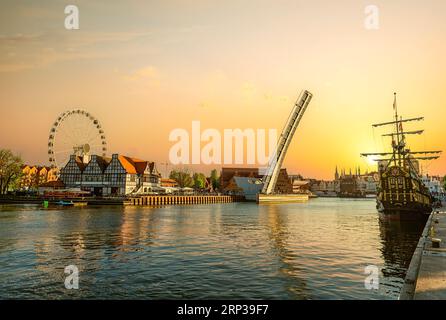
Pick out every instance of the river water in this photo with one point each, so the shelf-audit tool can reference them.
(313, 250)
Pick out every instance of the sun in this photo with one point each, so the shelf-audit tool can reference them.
(370, 161)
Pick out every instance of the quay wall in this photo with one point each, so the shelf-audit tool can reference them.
(410, 282)
(156, 200)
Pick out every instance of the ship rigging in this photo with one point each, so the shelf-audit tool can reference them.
(401, 192)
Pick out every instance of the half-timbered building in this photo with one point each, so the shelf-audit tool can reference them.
(116, 176)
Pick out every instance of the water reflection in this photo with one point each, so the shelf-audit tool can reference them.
(399, 240)
(314, 250)
(290, 267)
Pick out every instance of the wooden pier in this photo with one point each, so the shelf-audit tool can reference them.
(426, 276)
(160, 200)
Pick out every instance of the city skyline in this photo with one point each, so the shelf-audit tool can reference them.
(147, 70)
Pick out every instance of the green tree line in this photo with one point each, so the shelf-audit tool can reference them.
(184, 178)
(10, 170)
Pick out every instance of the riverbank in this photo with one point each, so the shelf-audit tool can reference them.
(141, 200)
(40, 200)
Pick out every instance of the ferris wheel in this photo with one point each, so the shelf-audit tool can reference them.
(75, 132)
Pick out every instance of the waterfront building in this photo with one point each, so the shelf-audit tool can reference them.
(50, 186)
(166, 183)
(33, 176)
(71, 174)
(324, 188)
(435, 185)
(228, 184)
(116, 176)
(169, 185)
(349, 185)
(368, 184)
(227, 174)
(353, 183)
(301, 186)
(245, 186)
(28, 177)
(93, 175)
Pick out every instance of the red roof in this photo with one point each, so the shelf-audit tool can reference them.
(134, 165)
(128, 164)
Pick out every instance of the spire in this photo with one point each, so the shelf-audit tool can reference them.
(336, 173)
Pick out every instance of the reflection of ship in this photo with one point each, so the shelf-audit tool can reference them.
(401, 192)
(399, 239)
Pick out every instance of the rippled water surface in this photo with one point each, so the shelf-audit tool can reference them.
(313, 250)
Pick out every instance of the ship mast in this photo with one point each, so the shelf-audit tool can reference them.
(397, 130)
(400, 155)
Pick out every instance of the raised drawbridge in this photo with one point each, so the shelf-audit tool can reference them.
(272, 172)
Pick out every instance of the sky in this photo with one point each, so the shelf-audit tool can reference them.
(145, 68)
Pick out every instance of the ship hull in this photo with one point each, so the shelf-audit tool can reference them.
(404, 215)
(402, 195)
(408, 211)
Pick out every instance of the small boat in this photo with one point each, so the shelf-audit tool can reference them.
(80, 204)
(65, 203)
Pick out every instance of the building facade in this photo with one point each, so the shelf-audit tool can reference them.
(228, 184)
(33, 176)
(354, 184)
(435, 185)
(116, 176)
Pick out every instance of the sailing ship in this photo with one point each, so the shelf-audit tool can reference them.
(401, 192)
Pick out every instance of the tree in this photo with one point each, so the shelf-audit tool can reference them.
(182, 177)
(444, 182)
(215, 180)
(10, 170)
(199, 180)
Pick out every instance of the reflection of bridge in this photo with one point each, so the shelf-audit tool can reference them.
(272, 173)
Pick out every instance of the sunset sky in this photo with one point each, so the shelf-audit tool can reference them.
(144, 68)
